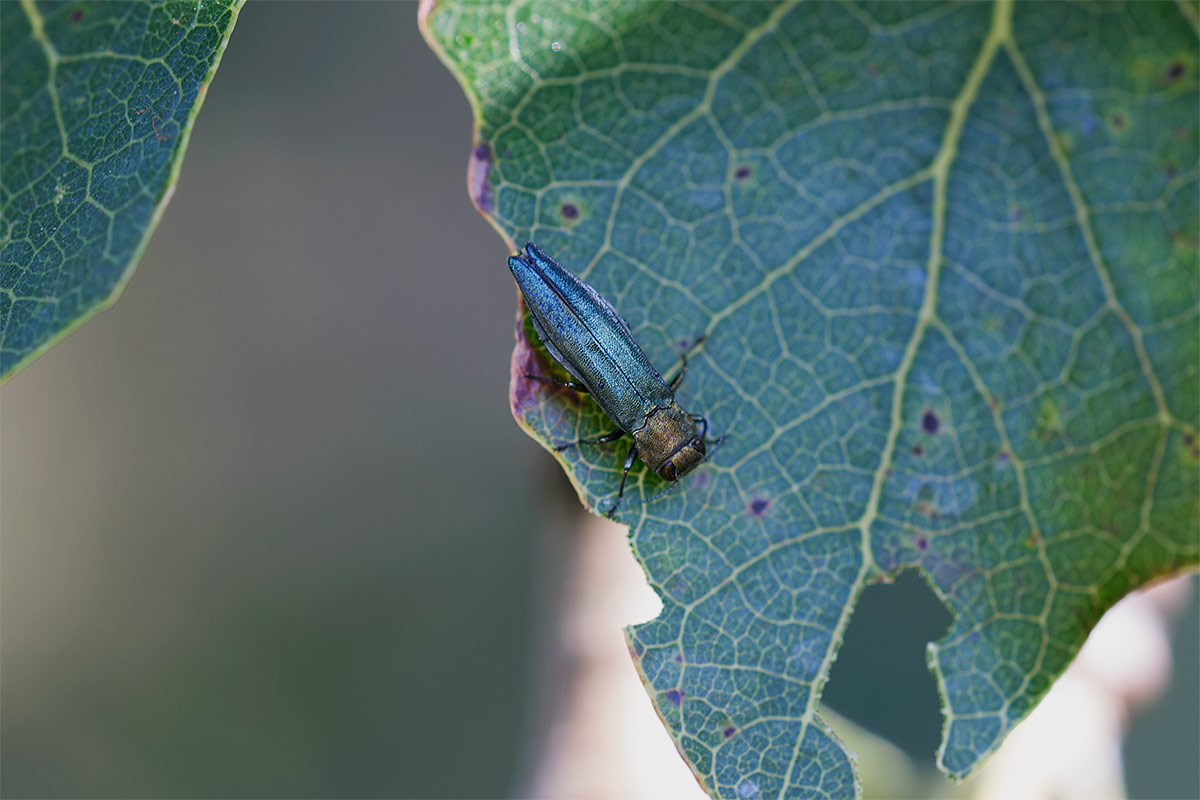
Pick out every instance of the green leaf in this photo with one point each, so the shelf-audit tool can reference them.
(945, 257)
(97, 101)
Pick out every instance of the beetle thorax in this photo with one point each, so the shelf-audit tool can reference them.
(669, 442)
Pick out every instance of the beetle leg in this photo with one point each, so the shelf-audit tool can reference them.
(674, 484)
(605, 439)
(678, 379)
(629, 459)
(702, 424)
(712, 443)
(576, 385)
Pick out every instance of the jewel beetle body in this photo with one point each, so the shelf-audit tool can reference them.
(584, 333)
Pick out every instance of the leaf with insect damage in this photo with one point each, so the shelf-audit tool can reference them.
(945, 261)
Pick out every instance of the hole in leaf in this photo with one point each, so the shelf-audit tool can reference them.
(880, 680)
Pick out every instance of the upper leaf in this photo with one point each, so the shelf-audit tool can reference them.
(96, 104)
(945, 258)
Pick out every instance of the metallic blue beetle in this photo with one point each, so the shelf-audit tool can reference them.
(585, 334)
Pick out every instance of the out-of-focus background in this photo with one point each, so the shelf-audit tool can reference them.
(268, 528)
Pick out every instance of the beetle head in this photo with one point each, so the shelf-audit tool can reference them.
(683, 460)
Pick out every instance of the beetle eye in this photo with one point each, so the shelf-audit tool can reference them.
(668, 471)
(698, 445)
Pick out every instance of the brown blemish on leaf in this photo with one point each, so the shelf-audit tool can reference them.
(1181, 239)
(1191, 445)
(162, 137)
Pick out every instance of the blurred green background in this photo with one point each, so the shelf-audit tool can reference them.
(268, 528)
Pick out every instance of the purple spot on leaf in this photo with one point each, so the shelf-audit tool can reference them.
(930, 422)
(1175, 71)
(742, 173)
(76, 15)
(918, 450)
(759, 505)
(478, 172)
(569, 211)
(729, 732)
(922, 543)
(675, 697)
(679, 658)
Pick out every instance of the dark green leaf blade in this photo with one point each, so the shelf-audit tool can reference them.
(945, 258)
(97, 101)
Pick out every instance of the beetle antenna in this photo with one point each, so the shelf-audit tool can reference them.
(617, 504)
